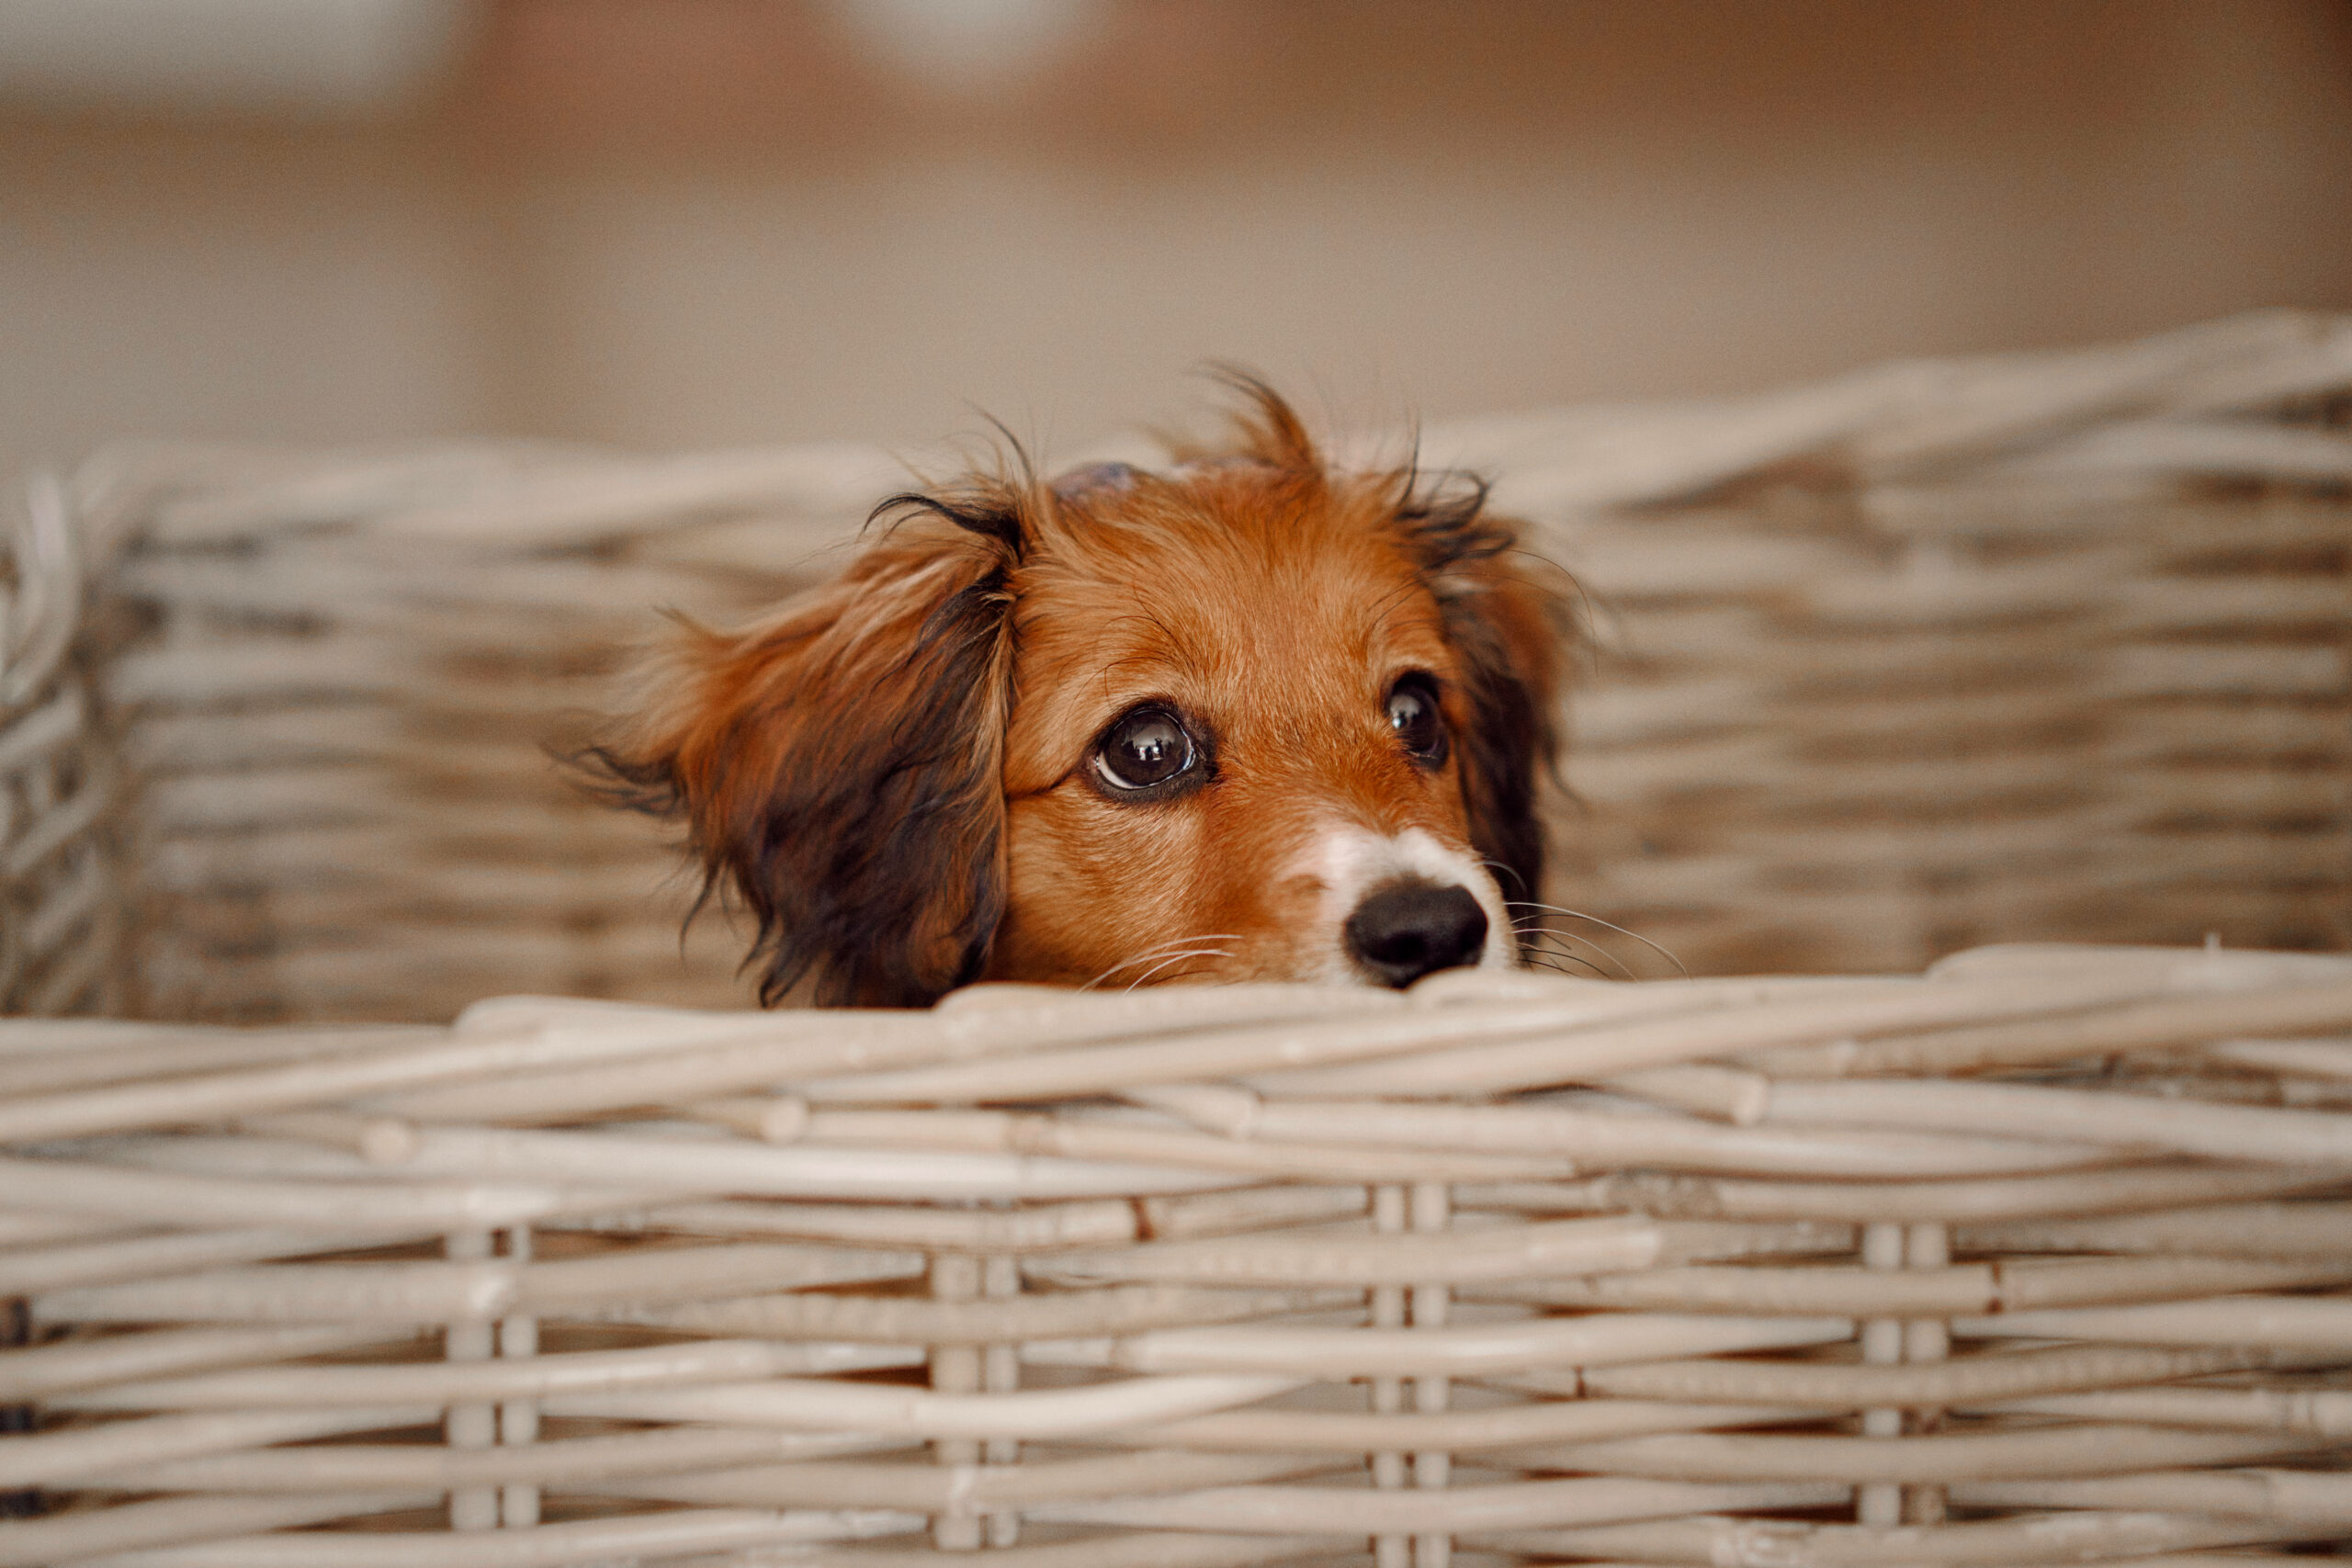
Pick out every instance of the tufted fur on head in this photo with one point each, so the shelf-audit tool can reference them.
(903, 774)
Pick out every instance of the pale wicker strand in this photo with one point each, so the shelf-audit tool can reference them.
(548, 1546)
(2087, 1536)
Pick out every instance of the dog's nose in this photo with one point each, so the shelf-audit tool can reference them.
(1405, 930)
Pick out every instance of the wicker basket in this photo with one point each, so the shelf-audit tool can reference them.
(2043, 1258)
(2057, 646)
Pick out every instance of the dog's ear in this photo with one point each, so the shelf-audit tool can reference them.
(1508, 631)
(840, 766)
(1507, 616)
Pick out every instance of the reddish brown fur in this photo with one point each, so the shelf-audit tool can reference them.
(894, 770)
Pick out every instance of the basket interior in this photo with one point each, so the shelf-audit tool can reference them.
(2051, 647)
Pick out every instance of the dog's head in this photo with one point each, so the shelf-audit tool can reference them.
(1246, 718)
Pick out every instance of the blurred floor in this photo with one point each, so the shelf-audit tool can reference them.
(696, 222)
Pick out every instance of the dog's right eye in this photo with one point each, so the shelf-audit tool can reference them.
(1148, 746)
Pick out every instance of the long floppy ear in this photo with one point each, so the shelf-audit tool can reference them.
(1506, 615)
(840, 766)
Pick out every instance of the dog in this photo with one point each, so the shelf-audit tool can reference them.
(1247, 718)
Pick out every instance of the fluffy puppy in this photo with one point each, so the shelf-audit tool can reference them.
(1249, 718)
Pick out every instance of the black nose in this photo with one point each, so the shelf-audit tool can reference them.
(1405, 930)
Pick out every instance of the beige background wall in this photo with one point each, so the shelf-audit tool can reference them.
(694, 222)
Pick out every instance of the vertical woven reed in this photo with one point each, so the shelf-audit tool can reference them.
(62, 905)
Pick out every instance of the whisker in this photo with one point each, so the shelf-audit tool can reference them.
(1533, 961)
(1537, 925)
(1579, 915)
(1553, 957)
(1176, 958)
(1512, 872)
(1157, 950)
(1549, 933)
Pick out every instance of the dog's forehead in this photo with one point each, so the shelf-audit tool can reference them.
(1229, 593)
(1209, 541)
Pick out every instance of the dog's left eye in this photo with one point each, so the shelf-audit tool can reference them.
(1144, 748)
(1413, 713)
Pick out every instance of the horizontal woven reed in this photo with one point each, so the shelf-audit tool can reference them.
(2045, 1254)
(2043, 646)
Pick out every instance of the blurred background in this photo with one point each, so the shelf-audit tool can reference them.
(2039, 649)
(674, 223)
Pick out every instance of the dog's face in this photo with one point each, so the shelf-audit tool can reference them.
(1233, 751)
(1242, 719)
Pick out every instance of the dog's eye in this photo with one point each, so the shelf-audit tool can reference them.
(1148, 746)
(1413, 713)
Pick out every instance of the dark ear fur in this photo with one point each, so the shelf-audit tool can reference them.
(1507, 623)
(840, 766)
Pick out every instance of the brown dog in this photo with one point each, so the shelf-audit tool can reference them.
(1247, 719)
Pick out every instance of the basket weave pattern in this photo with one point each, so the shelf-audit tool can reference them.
(2042, 1255)
(62, 910)
(2056, 648)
